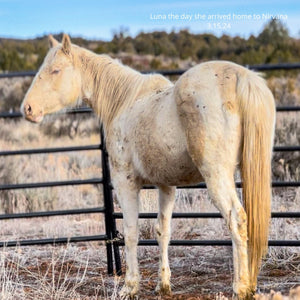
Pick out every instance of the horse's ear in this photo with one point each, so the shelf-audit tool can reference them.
(66, 44)
(52, 41)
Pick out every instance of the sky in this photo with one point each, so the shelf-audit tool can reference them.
(99, 19)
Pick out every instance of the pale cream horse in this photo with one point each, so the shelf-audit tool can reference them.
(217, 117)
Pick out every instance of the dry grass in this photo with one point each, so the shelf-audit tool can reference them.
(78, 271)
(54, 273)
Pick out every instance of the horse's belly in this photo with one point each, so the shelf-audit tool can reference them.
(166, 169)
(163, 159)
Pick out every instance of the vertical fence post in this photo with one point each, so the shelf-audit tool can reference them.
(110, 221)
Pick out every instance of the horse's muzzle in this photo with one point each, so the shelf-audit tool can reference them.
(31, 115)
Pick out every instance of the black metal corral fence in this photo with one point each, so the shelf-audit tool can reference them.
(111, 236)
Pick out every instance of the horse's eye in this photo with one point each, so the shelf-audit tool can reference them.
(56, 71)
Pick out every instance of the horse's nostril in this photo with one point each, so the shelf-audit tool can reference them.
(28, 109)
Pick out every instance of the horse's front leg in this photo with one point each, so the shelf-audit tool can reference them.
(127, 195)
(163, 232)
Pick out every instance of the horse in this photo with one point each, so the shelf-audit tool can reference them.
(216, 119)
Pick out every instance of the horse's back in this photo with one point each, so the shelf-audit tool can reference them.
(215, 79)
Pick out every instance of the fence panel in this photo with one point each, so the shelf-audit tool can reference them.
(111, 237)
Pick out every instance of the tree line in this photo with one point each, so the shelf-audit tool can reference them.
(272, 45)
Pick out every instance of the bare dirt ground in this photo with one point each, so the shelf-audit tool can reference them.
(79, 272)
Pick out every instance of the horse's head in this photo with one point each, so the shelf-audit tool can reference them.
(57, 83)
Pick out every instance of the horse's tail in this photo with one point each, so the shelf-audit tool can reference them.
(257, 111)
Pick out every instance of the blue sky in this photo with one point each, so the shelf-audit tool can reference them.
(98, 19)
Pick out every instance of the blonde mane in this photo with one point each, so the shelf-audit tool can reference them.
(115, 87)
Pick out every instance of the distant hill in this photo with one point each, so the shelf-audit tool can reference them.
(272, 45)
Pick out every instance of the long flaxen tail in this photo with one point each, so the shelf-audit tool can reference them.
(257, 111)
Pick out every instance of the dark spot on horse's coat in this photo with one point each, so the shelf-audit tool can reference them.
(197, 105)
(203, 106)
(216, 75)
(227, 77)
(128, 177)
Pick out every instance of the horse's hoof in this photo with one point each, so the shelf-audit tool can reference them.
(242, 291)
(243, 296)
(129, 293)
(163, 289)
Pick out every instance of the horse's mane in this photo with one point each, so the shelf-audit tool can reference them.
(116, 87)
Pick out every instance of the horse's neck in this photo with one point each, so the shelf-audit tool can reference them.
(107, 86)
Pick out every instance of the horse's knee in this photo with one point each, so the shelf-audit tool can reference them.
(162, 227)
(158, 230)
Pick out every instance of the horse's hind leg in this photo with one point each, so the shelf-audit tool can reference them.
(212, 125)
(222, 192)
(217, 166)
(163, 232)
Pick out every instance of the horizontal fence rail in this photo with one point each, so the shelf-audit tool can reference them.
(276, 243)
(84, 110)
(50, 184)
(212, 215)
(53, 213)
(201, 185)
(110, 238)
(62, 240)
(262, 67)
(79, 110)
(51, 150)
(99, 147)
